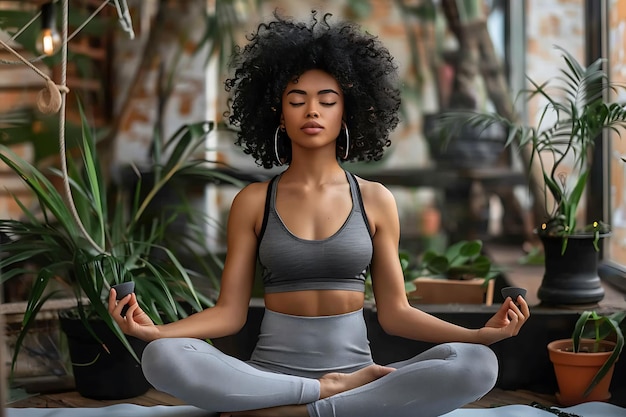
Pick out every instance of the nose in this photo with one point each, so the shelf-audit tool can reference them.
(313, 113)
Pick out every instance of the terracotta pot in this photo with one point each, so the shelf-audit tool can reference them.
(444, 291)
(574, 371)
(430, 222)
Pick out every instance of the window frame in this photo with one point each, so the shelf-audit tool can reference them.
(599, 204)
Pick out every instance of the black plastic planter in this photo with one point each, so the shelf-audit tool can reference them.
(98, 374)
(469, 147)
(570, 278)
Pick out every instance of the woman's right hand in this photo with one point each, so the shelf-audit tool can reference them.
(136, 322)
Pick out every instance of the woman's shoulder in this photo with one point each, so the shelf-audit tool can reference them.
(374, 192)
(379, 204)
(252, 193)
(253, 190)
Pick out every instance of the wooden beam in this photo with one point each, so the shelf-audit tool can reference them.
(50, 305)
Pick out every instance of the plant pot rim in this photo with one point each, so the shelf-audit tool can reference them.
(440, 278)
(444, 279)
(557, 346)
(575, 235)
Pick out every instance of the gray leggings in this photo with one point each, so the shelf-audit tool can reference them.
(293, 352)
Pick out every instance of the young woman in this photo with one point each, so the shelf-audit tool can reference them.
(307, 96)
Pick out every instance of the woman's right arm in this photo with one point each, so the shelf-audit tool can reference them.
(230, 311)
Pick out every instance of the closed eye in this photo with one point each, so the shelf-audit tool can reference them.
(323, 103)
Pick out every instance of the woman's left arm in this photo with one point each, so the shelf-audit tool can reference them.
(395, 314)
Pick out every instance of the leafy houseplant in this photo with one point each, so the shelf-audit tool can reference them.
(462, 260)
(127, 231)
(460, 273)
(122, 239)
(575, 114)
(584, 363)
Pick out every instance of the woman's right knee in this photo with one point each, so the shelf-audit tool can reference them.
(162, 359)
(154, 360)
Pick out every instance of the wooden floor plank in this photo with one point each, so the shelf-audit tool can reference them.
(495, 398)
(498, 397)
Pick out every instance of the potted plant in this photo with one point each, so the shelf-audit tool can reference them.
(459, 274)
(575, 114)
(110, 238)
(118, 232)
(584, 363)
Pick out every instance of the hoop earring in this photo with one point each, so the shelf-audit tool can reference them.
(280, 161)
(345, 127)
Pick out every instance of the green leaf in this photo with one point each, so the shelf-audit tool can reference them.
(603, 326)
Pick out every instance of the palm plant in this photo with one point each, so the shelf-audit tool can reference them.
(121, 240)
(574, 116)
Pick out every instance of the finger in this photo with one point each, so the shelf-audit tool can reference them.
(117, 311)
(524, 306)
(112, 302)
(513, 306)
(521, 308)
(513, 322)
(513, 315)
(131, 310)
(520, 320)
(502, 311)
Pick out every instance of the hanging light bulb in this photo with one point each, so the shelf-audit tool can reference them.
(48, 41)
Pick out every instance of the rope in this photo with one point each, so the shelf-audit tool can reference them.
(24, 60)
(52, 98)
(69, 38)
(30, 22)
(62, 154)
(18, 33)
(49, 99)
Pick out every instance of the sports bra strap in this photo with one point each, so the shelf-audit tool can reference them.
(355, 190)
(268, 200)
(359, 198)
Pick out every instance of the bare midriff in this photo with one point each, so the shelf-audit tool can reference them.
(313, 303)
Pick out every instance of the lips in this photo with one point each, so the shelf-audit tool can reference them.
(311, 128)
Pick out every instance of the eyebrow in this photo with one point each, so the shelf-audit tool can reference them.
(319, 93)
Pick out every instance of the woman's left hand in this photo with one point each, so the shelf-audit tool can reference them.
(506, 323)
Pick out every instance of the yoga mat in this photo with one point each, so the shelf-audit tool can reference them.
(592, 409)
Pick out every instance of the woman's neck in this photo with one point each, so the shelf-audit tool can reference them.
(330, 173)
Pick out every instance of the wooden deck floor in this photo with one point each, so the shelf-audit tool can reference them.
(72, 399)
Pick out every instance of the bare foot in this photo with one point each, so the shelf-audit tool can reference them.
(330, 384)
(335, 382)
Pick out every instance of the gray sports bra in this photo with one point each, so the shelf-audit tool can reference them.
(338, 262)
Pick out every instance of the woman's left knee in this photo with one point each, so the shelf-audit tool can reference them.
(478, 363)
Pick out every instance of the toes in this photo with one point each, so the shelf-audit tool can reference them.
(384, 370)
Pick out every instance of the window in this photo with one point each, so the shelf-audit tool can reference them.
(614, 166)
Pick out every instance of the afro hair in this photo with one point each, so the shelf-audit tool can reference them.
(282, 50)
